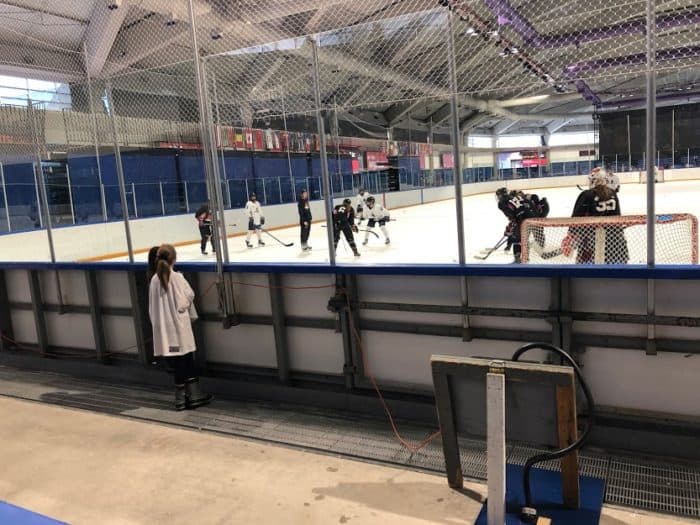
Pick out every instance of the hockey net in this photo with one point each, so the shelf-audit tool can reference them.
(658, 175)
(609, 240)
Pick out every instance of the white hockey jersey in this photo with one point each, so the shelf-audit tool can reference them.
(253, 211)
(362, 200)
(378, 212)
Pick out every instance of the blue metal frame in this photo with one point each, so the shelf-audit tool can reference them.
(687, 272)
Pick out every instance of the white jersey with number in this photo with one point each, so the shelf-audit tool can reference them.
(377, 212)
(253, 211)
(362, 200)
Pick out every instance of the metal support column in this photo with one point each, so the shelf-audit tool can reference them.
(38, 311)
(133, 199)
(6, 332)
(95, 137)
(120, 171)
(44, 203)
(326, 184)
(187, 198)
(138, 293)
(629, 145)
(70, 195)
(218, 127)
(96, 315)
(4, 196)
(279, 327)
(496, 445)
(673, 139)
(289, 155)
(197, 327)
(651, 175)
(350, 363)
(225, 286)
(454, 117)
(162, 200)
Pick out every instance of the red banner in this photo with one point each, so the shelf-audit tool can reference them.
(375, 160)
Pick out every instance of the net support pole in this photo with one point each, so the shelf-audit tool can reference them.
(95, 136)
(219, 134)
(454, 121)
(457, 167)
(651, 187)
(289, 155)
(496, 444)
(325, 179)
(120, 171)
(225, 288)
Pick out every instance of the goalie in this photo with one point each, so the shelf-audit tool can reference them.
(517, 207)
(600, 200)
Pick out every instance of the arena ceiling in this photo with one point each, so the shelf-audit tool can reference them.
(521, 65)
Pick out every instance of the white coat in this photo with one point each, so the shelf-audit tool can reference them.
(172, 312)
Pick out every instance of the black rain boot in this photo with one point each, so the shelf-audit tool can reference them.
(195, 397)
(180, 398)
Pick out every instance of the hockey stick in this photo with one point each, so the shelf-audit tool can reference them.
(275, 238)
(579, 187)
(491, 250)
(359, 230)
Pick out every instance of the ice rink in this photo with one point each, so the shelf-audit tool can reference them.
(427, 233)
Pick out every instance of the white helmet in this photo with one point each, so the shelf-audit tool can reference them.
(597, 177)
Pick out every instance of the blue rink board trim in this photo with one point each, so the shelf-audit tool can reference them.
(10, 514)
(689, 272)
(547, 498)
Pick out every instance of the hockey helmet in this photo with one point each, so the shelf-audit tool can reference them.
(597, 177)
(362, 191)
(253, 196)
(501, 193)
(347, 202)
(370, 201)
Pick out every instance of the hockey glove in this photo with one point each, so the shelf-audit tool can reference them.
(355, 228)
(568, 244)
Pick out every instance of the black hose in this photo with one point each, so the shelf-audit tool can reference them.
(584, 435)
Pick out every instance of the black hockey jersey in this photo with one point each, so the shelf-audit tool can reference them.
(589, 204)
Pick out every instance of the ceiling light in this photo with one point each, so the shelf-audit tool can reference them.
(471, 31)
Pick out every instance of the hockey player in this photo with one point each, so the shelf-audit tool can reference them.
(375, 213)
(361, 203)
(517, 207)
(256, 220)
(597, 201)
(344, 221)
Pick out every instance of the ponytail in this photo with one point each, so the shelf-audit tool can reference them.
(166, 258)
(163, 273)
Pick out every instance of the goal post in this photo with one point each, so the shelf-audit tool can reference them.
(658, 175)
(609, 240)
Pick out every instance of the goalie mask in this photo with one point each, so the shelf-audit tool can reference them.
(597, 177)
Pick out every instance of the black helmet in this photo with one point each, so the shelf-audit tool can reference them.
(362, 190)
(501, 193)
(347, 202)
(370, 200)
(253, 196)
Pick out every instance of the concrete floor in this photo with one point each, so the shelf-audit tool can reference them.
(86, 468)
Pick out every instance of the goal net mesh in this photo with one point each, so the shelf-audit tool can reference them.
(609, 240)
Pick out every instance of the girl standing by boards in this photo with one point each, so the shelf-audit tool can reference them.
(171, 310)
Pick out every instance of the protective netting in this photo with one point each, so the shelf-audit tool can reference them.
(123, 75)
(609, 240)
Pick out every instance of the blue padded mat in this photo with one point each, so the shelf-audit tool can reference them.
(547, 498)
(10, 514)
